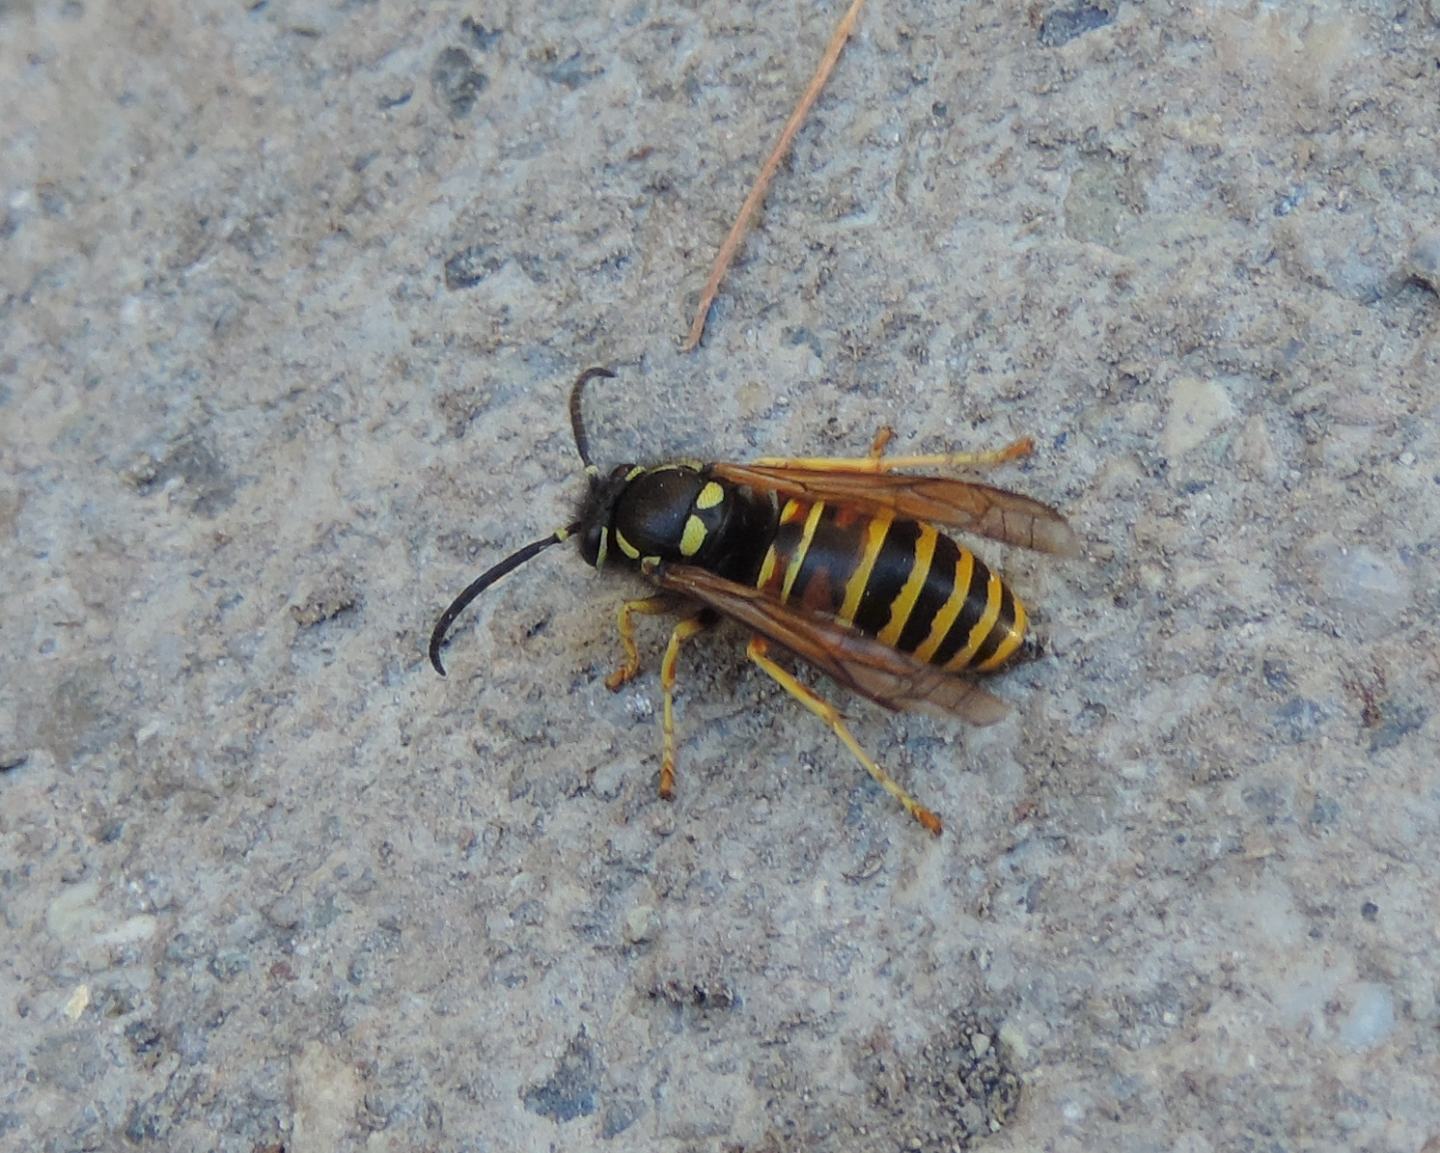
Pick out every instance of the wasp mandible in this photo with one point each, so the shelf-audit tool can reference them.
(840, 561)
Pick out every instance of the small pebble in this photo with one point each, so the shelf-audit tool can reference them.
(1014, 1040)
(641, 924)
(1198, 408)
(1366, 589)
(1371, 1018)
(77, 1004)
(1423, 261)
(284, 912)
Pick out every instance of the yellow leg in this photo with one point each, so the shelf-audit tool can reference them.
(681, 633)
(876, 462)
(828, 713)
(647, 606)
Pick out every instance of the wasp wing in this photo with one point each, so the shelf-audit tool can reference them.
(887, 676)
(978, 508)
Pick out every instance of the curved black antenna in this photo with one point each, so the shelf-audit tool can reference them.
(484, 581)
(577, 420)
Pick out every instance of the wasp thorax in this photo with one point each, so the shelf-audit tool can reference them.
(655, 514)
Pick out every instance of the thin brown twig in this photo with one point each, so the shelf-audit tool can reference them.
(767, 174)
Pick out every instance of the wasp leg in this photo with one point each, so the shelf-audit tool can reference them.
(831, 716)
(876, 462)
(646, 606)
(681, 633)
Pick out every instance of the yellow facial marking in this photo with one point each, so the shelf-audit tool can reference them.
(625, 546)
(711, 495)
(693, 537)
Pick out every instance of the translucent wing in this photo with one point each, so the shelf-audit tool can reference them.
(885, 675)
(978, 508)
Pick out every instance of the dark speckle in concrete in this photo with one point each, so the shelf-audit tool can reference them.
(571, 1091)
(456, 82)
(469, 266)
(1061, 25)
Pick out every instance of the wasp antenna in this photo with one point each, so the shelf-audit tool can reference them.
(484, 581)
(577, 419)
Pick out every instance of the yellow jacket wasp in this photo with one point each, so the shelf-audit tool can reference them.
(837, 560)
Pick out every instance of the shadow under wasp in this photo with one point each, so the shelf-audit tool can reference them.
(839, 561)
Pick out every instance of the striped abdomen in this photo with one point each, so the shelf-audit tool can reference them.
(898, 580)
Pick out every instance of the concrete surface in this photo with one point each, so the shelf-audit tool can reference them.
(291, 294)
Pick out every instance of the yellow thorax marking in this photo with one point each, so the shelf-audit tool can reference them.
(625, 546)
(693, 536)
(711, 495)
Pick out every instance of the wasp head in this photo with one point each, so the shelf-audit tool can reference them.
(598, 513)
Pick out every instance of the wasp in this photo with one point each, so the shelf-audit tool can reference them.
(842, 562)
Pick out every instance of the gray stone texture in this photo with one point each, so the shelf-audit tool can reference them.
(290, 294)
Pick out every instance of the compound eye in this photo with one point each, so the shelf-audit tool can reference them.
(592, 542)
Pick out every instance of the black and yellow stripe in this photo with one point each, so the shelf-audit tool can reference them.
(900, 581)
